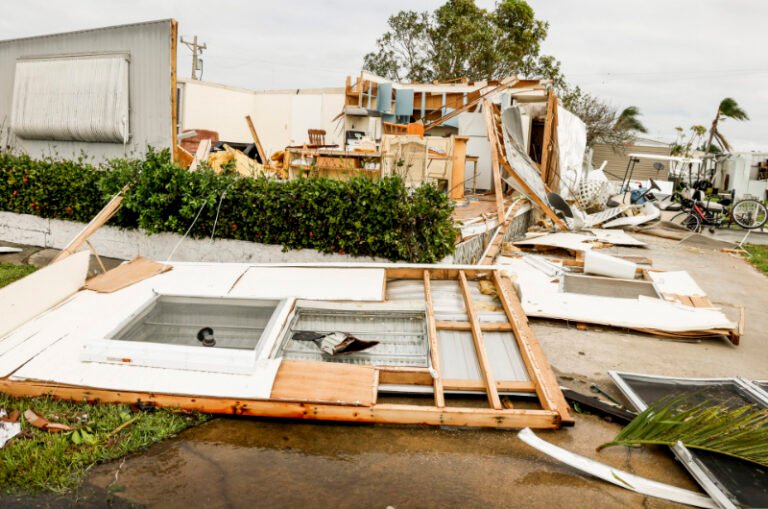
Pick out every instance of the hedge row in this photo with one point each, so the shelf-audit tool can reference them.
(361, 216)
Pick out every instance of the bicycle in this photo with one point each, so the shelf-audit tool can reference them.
(749, 214)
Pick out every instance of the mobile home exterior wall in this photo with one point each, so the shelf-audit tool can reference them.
(150, 51)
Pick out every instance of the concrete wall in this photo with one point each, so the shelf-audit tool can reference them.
(281, 117)
(149, 46)
(114, 242)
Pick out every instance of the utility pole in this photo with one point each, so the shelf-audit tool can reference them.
(197, 63)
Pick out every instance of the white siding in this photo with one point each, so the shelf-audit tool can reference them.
(150, 115)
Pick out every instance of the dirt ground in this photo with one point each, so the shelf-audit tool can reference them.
(269, 463)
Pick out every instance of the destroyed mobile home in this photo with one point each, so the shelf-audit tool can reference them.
(445, 344)
(232, 338)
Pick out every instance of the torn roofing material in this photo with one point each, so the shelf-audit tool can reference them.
(730, 482)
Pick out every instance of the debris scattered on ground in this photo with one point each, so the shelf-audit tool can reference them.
(9, 426)
(615, 476)
(42, 423)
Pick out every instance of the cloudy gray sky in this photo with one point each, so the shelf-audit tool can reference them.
(675, 60)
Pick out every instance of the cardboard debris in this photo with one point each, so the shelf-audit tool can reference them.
(136, 270)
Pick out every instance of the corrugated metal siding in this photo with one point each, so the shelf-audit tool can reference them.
(457, 352)
(401, 336)
(150, 116)
(617, 162)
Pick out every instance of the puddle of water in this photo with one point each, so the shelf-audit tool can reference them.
(259, 463)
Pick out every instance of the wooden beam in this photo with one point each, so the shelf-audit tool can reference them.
(466, 326)
(458, 166)
(256, 141)
(477, 337)
(441, 274)
(535, 198)
(490, 124)
(456, 384)
(434, 352)
(97, 222)
(174, 92)
(547, 387)
(406, 378)
(545, 148)
(379, 413)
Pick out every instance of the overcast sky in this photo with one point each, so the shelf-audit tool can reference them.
(674, 59)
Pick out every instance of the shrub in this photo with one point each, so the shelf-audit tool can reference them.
(360, 216)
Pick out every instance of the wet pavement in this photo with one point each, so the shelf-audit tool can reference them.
(232, 463)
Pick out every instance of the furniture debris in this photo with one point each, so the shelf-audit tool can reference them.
(615, 476)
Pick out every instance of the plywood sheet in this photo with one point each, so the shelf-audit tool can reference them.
(327, 382)
(311, 283)
(28, 297)
(136, 270)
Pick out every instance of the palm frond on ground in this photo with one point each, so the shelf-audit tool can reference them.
(740, 433)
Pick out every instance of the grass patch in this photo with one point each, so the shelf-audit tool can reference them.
(10, 272)
(38, 460)
(759, 257)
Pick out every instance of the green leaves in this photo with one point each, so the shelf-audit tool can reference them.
(740, 432)
(460, 39)
(360, 216)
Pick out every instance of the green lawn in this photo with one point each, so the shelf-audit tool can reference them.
(38, 460)
(759, 256)
(10, 273)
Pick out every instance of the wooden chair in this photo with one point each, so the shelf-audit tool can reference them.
(316, 137)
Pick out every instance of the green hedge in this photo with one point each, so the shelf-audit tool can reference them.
(360, 217)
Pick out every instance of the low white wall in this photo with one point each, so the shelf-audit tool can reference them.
(114, 242)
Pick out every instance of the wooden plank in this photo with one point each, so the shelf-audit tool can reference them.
(441, 274)
(174, 92)
(545, 149)
(457, 384)
(124, 275)
(458, 166)
(256, 140)
(490, 124)
(434, 352)
(547, 387)
(97, 222)
(530, 194)
(201, 154)
(380, 413)
(324, 382)
(477, 337)
(466, 326)
(405, 378)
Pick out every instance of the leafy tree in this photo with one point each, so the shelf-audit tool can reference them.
(605, 123)
(462, 40)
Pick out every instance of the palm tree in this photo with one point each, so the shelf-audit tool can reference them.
(728, 108)
(628, 120)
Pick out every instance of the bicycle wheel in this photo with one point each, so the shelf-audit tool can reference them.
(749, 214)
(688, 221)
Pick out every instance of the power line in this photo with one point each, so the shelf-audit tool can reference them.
(197, 62)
